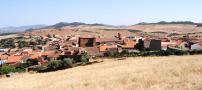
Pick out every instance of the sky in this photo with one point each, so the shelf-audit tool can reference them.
(112, 12)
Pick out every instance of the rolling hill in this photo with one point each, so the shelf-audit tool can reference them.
(103, 30)
(19, 29)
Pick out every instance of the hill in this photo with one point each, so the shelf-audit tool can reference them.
(19, 29)
(180, 27)
(102, 30)
(86, 29)
(140, 73)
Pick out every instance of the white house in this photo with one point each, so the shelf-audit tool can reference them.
(196, 46)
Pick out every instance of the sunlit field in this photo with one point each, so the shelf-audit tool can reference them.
(139, 73)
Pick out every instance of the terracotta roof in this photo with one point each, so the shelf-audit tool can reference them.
(35, 55)
(104, 47)
(14, 59)
(27, 51)
(72, 51)
(128, 43)
(51, 53)
(3, 57)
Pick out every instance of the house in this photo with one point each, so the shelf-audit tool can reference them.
(3, 50)
(51, 55)
(94, 51)
(27, 52)
(3, 59)
(2, 62)
(197, 46)
(13, 59)
(165, 45)
(105, 47)
(36, 55)
(185, 46)
(71, 52)
(87, 41)
(152, 44)
(128, 44)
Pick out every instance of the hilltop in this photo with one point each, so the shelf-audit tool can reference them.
(102, 30)
(12, 29)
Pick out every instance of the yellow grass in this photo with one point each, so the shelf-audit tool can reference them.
(150, 73)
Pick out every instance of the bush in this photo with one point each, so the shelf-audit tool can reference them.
(54, 65)
(85, 58)
(67, 62)
(32, 62)
(7, 69)
(59, 64)
(42, 68)
(194, 52)
(124, 53)
(111, 53)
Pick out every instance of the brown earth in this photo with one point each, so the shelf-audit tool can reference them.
(105, 31)
(139, 73)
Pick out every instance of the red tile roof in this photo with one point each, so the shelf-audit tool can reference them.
(103, 48)
(14, 59)
(128, 43)
(3, 57)
(35, 55)
(51, 53)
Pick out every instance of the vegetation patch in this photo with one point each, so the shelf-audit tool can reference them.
(134, 31)
(145, 53)
(159, 32)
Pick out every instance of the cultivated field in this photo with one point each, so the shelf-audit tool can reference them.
(140, 73)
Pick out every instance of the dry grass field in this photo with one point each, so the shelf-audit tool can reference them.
(140, 73)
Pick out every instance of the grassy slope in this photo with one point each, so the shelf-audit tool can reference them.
(155, 73)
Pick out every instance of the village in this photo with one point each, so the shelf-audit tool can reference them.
(40, 50)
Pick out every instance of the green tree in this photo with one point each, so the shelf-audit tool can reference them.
(6, 69)
(85, 58)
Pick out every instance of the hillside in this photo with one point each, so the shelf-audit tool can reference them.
(102, 30)
(96, 30)
(19, 29)
(168, 28)
(140, 73)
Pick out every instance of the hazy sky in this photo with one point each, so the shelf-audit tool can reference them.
(114, 12)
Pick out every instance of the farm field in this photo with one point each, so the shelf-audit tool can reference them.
(138, 73)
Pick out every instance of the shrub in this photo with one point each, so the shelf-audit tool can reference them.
(58, 65)
(194, 52)
(6, 69)
(54, 65)
(124, 53)
(67, 62)
(111, 53)
(85, 58)
(20, 69)
(32, 62)
(42, 68)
